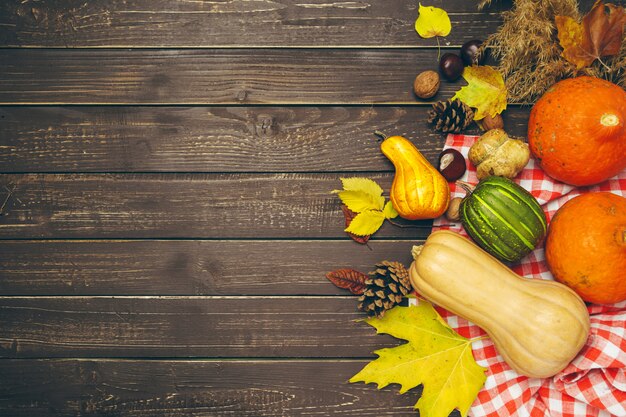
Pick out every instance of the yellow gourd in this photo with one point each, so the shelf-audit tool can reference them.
(418, 191)
(537, 326)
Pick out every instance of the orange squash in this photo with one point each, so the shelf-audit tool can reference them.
(586, 246)
(418, 191)
(577, 130)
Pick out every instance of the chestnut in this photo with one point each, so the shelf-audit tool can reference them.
(451, 66)
(451, 164)
(471, 54)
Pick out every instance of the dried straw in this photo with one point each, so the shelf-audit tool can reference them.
(528, 51)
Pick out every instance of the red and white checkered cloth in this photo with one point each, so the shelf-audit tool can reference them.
(594, 384)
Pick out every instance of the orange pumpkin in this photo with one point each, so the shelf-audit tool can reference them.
(586, 246)
(577, 130)
(418, 190)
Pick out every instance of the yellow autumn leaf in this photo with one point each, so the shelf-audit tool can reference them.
(389, 211)
(365, 187)
(366, 223)
(570, 34)
(485, 91)
(435, 356)
(432, 21)
(359, 201)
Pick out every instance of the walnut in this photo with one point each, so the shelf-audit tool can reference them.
(426, 84)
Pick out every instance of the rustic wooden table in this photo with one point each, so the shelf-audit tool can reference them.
(166, 216)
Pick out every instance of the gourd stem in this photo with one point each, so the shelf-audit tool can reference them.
(609, 120)
(380, 134)
(416, 250)
(466, 186)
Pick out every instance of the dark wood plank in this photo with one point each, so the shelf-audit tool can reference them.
(214, 139)
(213, 76)
(73, 388)
(186, 267)
(185, 327)
(214, 206)
(179, 23)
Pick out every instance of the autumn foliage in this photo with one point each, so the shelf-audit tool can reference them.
(598, 35)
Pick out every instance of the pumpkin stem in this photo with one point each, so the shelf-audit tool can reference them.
(609, 120)
(416, 250)
(469, 188)
(380, 134)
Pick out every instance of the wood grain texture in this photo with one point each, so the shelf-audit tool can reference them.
(185, 327)
(216, 206)
(280, 23)
(214, 139)
(214, 76)
(186, 267)
(172, 388)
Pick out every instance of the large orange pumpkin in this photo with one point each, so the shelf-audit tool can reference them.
(586, 246)
(577, 130)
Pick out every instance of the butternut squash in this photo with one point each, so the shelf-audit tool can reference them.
(537, 326)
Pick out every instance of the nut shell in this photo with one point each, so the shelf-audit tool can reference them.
(426, 84)
(452, 213)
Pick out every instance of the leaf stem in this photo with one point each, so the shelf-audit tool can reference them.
(416, 226)
(438, 49)
(408, 226)
(608, 69)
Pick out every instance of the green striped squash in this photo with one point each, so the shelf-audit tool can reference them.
(503, 218)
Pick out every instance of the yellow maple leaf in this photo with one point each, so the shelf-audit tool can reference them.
(485, 91)
(435, 356)
(432, 21)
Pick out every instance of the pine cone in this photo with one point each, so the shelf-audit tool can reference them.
(385, 288)
(450, 116)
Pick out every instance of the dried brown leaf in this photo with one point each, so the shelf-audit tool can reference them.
(599, 35)
(348, 279)
(349, 216)
(604, 31)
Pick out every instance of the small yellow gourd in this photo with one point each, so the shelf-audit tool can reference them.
(418, 191)
(537, 326)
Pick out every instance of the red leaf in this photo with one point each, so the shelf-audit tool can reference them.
(348, 279)
(349, 215)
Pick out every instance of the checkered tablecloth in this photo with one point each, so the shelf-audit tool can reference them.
(594, 384)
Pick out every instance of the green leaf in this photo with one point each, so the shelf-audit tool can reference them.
(432, 21)
(435, 356)
(366, 223)
(389, 211)
(485, 91)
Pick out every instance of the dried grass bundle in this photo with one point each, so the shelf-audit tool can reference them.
(528, 51)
